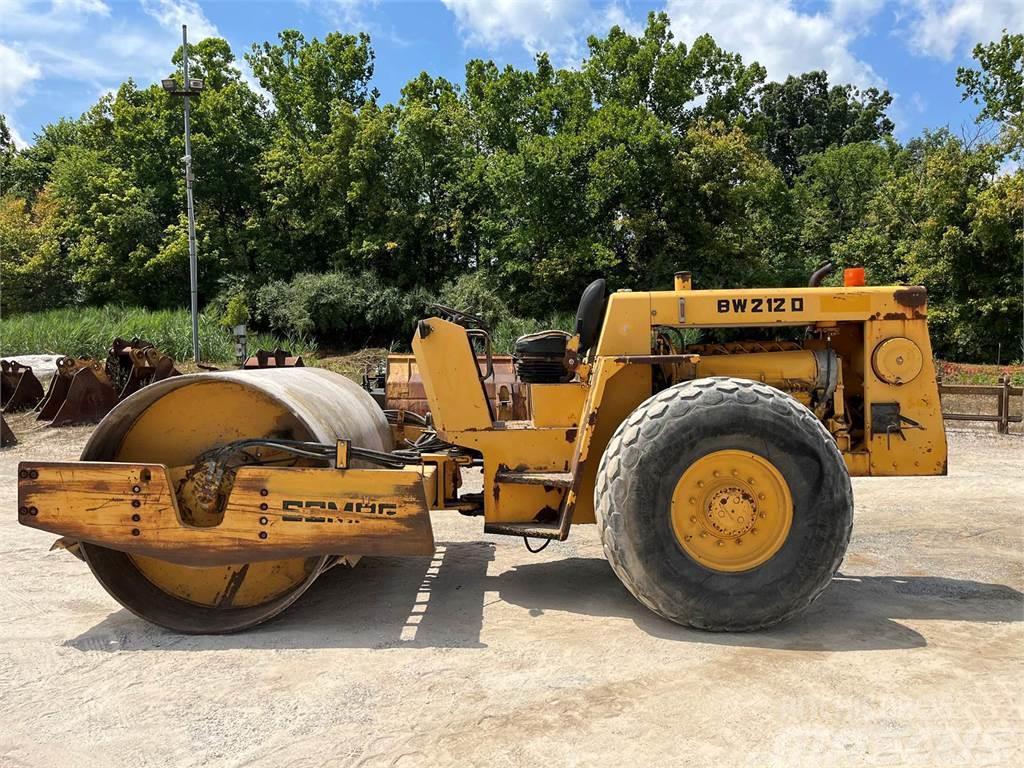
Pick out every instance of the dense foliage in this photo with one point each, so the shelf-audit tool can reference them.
(330, 213)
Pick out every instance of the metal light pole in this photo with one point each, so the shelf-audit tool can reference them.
(191, 87)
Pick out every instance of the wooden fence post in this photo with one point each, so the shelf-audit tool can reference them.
(1004, 405)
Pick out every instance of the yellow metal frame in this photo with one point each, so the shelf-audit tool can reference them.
(270, 513)
(617, 376)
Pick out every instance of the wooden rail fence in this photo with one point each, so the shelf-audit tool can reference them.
(1002, 391)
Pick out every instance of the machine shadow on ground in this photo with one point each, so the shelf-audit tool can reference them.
(438, 603)
(855, 613)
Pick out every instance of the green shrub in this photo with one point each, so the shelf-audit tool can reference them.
(473, 292)
(340, 310)
(236, 313)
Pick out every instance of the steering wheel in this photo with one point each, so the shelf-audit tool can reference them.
(456, 316)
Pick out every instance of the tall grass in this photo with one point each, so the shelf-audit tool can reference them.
(89, 331)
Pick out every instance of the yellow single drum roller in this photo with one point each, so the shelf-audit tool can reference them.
(174, 422)
(718, 475)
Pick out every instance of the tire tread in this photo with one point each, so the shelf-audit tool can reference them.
(653, 416)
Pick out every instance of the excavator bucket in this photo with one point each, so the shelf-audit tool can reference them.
(6, 435)
(20, 388)
(136, 363)
(80, 393)
(89, 399)
(56, 393)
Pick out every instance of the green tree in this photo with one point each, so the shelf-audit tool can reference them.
(735, 211)
(998, 86)
(35, 273)
(922, 227)
(804, 116)
(7, 154)
(308, 80)
(833, 194)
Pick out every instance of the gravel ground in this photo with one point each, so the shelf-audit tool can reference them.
(488, 655)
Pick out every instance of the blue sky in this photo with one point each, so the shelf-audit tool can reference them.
(58, 56)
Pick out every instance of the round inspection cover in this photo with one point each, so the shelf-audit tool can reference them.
(897, 360)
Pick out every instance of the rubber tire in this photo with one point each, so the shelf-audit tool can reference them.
(649, 453)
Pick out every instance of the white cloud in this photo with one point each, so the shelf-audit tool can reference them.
(785, 40)
(557, 26)
(16, 73)
(946, 28)
(82, 6)
(776, 33)
(20, 16)
(171, 14)
(93, 43)
(615, 15)
(346, 12)
(855, 10)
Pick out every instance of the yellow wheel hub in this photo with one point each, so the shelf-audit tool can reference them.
(731, 510)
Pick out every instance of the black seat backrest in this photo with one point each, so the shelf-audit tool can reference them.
(590, 314)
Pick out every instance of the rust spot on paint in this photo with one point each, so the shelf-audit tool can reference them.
(570, 435)
(914, 296)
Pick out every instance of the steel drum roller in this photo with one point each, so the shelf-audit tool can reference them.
(175, 421)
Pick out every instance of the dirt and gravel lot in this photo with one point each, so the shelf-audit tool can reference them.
(488, 655)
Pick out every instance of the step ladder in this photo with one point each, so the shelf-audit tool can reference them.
(558, 529)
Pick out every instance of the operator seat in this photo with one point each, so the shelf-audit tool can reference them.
(540, 357)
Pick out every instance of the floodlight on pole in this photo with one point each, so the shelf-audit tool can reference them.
(191, 87)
